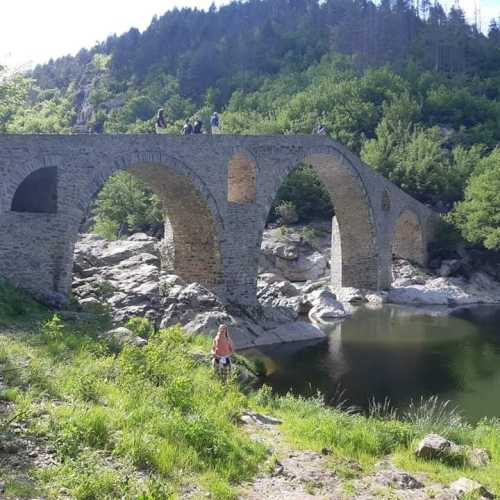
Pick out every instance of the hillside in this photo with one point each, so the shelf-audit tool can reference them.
(415, 92)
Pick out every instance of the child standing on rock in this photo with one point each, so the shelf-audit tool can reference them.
(222, 350)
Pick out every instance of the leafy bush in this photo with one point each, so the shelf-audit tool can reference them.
(287, 212)
(54, 329)
(124, 206)
(140, 326)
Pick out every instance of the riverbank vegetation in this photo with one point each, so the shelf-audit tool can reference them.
(153, 422)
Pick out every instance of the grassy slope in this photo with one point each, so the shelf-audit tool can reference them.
(111, 415)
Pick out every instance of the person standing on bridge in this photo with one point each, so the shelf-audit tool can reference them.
(320, 129)
(214, 123)
(198, 126)
(188, 128)
(161, 123)
(222, 350)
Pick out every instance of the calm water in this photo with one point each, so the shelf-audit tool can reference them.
(401, 353)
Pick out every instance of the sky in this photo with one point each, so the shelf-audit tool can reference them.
(33, 31)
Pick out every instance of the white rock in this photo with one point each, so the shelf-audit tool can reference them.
(325, 306)
(140, 237)
(90, 304)
(305, 268)
(350, 295)
(124, 336)
(270, 278)
(249, 417)
(467, 487)
(208, 322)
(195, 295)
(292, 332)
(117, 251)
(435, 446)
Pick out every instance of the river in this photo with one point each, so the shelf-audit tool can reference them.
(401, 353)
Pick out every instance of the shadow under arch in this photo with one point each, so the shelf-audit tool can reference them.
(408, 238)
(37, 193)
(354, 256)
(193, 226)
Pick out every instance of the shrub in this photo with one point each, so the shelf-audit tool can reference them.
(54, 329)
(287, 212)
(140, 326)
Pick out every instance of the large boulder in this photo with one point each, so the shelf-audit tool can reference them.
(272, 248)
(306, 267)
(117, 251)
(468, 488)
(208, 322)
(448, 291)
(195, 295)
(325, 306)
(434, 446)
(93, 250)
(293, 332)
(289, 255)
(122, 274)
(123, 336)
(350, 295)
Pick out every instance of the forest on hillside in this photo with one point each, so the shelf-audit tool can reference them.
(411, 88)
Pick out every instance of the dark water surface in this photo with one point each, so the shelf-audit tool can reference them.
(400, 353)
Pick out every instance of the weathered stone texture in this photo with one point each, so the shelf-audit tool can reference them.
(217, 192)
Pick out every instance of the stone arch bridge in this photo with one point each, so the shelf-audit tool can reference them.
(217, 192)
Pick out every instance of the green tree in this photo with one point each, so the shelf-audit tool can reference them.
(304, 189)
(14, 89)
(51, 114)
(125, 205)
(412, 157)
(478, 215)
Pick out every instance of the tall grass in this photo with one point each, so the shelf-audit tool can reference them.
(155, 408)
(309, 424)
(434, 415)
(152, 422)
(16, 305)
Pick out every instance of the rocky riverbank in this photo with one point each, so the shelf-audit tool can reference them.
(125, 278)
(294, 294)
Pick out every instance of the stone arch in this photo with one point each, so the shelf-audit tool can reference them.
(355, 260)
(37, 193)
(408, 238)
(193, 226)
(241, 179)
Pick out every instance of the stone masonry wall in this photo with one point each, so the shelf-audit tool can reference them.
(214, 237)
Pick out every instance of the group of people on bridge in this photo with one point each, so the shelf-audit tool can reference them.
(197, 127)
(188, 127)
